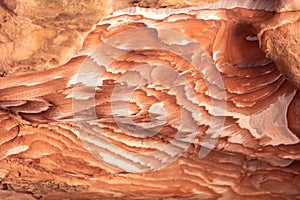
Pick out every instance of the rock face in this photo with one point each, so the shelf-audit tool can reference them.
(155, 103)
(37, 35)
(280, 39)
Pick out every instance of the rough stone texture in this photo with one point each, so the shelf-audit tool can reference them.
(38, 34)
(280, 39)
(11, 195)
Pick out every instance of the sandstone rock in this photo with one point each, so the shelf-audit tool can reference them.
(280, 39)
(65, 131)
(37, 35)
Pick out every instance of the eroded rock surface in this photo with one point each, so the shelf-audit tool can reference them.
(280, 39)
(38, 34)
(43, 154)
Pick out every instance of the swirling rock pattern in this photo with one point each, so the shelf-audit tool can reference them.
(166, 86)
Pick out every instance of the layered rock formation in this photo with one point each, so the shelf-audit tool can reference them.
(174, 104)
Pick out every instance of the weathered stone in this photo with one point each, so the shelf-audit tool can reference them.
(39, 34)
(280, 39)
